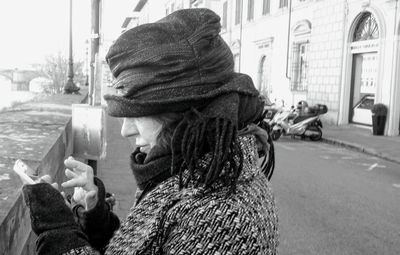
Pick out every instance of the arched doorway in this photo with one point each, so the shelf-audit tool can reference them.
(364, 50)
(263, 80)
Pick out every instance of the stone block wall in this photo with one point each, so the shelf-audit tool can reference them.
(39, 133)
(325, 57)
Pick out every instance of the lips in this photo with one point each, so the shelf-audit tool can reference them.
(144, 148)
(140, 142)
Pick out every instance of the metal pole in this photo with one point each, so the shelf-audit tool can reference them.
(240, 38)
(94, 51)
(288, 40)
(87, 63)
(95, 41)
(70, 87)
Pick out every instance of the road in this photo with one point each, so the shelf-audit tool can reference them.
(335, 201)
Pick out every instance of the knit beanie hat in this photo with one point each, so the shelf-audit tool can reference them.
(181, 64)
(170, 65)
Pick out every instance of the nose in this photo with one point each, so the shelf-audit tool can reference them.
(129, 128)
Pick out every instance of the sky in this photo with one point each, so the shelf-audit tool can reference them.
(33, 29)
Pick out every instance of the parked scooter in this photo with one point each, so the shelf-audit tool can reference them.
(270, 110)
(303, 121)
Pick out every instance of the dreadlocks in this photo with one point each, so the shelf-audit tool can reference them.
(196, 135)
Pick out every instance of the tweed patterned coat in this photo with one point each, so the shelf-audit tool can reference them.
(202, 221)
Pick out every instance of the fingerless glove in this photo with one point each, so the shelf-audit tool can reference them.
(52, 220)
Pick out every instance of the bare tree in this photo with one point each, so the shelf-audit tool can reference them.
(55, 67)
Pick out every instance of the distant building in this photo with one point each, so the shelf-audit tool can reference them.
(342, 53)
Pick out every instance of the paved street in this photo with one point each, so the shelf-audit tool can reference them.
(335, 201)
(331, 200)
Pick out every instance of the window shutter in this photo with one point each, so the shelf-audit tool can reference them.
(224, 15)
(266, 7)
(295, 67)
(250, 9)
(238, 12)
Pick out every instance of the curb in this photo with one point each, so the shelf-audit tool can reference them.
(358, 148)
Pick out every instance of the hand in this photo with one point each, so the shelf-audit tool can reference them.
(47, 206)
(51, 219)
(81, 179)
(47, 179)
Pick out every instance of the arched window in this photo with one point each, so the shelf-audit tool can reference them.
(367, 28)
(300, 49)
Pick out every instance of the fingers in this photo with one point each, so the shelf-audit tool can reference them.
(79, 195)
(77, 165)
(81, 175)
(55, 185)
(45, 178)
(70, 174)
(76, 182)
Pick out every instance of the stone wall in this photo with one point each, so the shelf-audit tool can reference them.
(39, 133)
(326, 56)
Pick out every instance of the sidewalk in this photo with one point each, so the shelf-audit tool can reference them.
(115, 171)
(361, 139)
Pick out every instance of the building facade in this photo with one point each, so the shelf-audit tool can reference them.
(342, 53)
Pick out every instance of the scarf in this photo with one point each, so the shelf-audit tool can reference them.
(150, 169)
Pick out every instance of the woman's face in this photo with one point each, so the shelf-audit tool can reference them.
(145, 130)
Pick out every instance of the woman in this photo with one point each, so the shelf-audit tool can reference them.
(200, 190)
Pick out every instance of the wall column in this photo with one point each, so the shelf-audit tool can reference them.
(394, 105)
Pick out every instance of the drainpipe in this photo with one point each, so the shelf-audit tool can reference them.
(240, 37)
(229, 25)
(288, 40)
(394, 91)
(288, 47)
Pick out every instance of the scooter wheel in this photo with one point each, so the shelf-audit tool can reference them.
(275, 135)
(317, 133)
